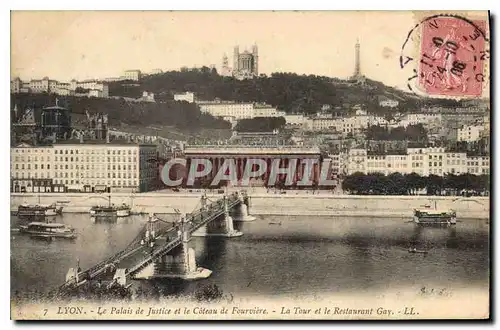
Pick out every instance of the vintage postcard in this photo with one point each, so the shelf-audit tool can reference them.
(175, 165)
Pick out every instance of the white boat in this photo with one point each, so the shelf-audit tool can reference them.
(427, 215)
(48, 230)
(37, 210)
(110, 211)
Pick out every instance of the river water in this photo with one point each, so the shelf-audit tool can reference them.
(296, 256)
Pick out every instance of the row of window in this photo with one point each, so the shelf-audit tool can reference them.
(35, 166)
(109, 175)
(98, 152)
(98, 159)
(92, 167)
(114, 183)
(35, 158)
(29, 175)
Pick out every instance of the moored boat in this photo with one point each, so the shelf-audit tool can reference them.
(110, 211)
(37, 210)
(414, 250)
(430, 216)
(48, 230)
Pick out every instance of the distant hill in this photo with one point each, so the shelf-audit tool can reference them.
(287, 91)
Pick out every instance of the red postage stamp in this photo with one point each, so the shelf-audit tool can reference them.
(453, 54)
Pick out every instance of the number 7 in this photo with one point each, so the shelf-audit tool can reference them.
(45, 310)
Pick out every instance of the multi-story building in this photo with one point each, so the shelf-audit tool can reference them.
(31, 168)
(118, 164)
(132, 75)
(420, 118)
(321, 123)
(423, 161)
(470, 133)
(295, 119)
(456, 163)
(96, 88)
(15, 85)
(376, 164)
(436, 158)
(236, 110)
(239, 111)
(187, 96)
(357, 161)
(265, 110)
(478, 165)
(336, 164)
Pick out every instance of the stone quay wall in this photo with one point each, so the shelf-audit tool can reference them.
(268, 203)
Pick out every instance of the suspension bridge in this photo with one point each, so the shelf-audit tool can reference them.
(161, 249)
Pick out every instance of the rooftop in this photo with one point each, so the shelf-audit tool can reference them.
(102, 142)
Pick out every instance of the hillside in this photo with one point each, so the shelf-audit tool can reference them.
(180, 115)
(287, 91)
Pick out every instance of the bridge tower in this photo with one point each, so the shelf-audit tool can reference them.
(240, 212)
(221, 226)
(180, 262)
(151, 229)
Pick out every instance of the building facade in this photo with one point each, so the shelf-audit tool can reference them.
(245, 64)
(241, 154)
(423, 161)
(120, 166)
(189, 97)
(470, 133)
(93, 87)
(238, 111)
(134, 75)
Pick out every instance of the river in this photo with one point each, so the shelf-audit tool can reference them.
(296, 256)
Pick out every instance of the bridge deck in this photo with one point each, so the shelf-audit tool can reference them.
(136, 256)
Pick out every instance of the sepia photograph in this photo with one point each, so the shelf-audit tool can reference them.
(250, 165)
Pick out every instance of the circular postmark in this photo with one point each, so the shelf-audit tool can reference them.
(448, 55)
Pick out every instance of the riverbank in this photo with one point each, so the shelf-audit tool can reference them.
(267, 203)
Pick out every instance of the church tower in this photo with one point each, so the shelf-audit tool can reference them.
(226, 71)
(236, 57)
(255, 54)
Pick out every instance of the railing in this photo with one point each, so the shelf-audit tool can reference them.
(215, 209)
(157, 254)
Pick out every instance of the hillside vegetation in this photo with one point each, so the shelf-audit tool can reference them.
(182, 115)
(287, 91)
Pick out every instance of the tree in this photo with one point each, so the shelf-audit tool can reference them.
(435, 184)
(413, 183)
(396, 184)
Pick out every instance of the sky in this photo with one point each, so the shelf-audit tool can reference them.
(99, 44)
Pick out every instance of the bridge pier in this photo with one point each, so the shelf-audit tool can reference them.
(180, 262)
(240, 212)
(222, 226)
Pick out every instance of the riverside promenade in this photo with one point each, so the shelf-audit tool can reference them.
(263, 202)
